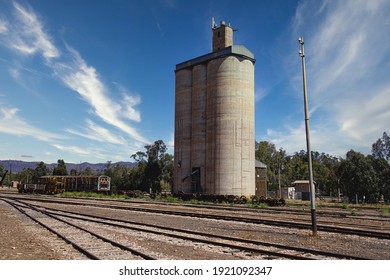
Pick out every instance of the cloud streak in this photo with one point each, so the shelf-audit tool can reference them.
(12, 123)
(98, 133)
(347, 47)
(348, 72)
(85, 80)
(25, 35)
(3, 27)
(72, 149)
(28, 36)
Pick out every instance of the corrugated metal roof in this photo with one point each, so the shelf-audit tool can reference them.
(302, 182)
(259, 164)
(235, 50)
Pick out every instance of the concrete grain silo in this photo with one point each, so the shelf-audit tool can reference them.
(214, 120)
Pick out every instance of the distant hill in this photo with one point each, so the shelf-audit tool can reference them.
(17, 166)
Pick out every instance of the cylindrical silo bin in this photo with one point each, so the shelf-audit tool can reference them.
(214, 120)
(230, 126)
(182, 159)
(198, 141)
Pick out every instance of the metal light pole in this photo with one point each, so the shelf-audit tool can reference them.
(312, 190)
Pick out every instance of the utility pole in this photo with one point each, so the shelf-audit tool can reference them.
(312, 189)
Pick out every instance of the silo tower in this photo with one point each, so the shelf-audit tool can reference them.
(214, 120)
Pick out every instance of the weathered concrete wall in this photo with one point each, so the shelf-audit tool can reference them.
(214, 120)
(222, 37)
(198, 139)
(230, 126)
(214, 126)
(183, 123)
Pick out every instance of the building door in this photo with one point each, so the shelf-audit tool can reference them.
(195, 180)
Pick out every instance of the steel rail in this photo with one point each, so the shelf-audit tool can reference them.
(334, 229)
(75, 245)
(236, 208)
(209, 235)
(67, 240)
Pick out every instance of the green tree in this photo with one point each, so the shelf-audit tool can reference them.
(119, 173)
(26, 176)
(358, 177)
(381, 148)
(155, 165)
(40, 170)
(167, 172)
(382, 169)
(74, 172)
(324, 173)
(60, 170)
(154, 168)
(88, 171)
(108, 169)
(139, 156)
(381, 152)
(2, 172)
(275, 160)
(296, 167)
(135, 179)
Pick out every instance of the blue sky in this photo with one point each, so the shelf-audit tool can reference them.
(94, 80)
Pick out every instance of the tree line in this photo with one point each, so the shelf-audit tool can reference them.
(153, 171)
(365, 177)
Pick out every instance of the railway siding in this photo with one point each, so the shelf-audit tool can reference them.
(172, 247)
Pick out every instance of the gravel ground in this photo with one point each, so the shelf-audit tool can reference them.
(22, 239)
(371, 248)
(40, 244)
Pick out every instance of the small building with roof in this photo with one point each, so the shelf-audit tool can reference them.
(261, 178)
(300, 189)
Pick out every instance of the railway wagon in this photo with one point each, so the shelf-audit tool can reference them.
(60, 184)
(46, 184)
(81, 183)
(32, 188)
(51, 184)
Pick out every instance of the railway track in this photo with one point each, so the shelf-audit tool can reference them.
(334, 227)
(266, 250)
(91, 244)
(293, 211)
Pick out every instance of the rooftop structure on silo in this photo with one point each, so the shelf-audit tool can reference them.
(222, 36)
(214, 120)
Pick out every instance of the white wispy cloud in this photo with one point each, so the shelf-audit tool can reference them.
(84, 79)
(12, 123)
(72, 149)
(129, 101)
(3, 26)
(25, 34)
(260, 93)
(171, 141)
(347, 47)
(98, 133)
(14, 73)
(292, 138)
(102, 153)
(28, 36)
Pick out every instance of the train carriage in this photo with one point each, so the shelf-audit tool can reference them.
(60, 184)
(51, 184)
(104, 183)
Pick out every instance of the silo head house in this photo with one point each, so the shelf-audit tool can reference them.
(214, 120)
